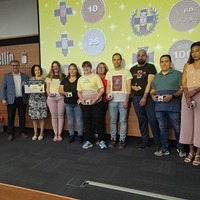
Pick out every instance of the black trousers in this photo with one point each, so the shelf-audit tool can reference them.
(94, 118)
(19, 106)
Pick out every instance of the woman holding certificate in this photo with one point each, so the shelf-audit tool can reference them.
(55, 101)
(37, 102)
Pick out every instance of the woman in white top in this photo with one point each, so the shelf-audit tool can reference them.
(55, 101)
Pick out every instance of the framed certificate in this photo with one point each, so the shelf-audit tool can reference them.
(34, 86)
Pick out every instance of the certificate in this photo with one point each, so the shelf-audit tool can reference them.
(34, 86)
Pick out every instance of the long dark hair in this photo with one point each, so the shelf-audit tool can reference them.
(191, 59)
(33, 70)
(75, 66)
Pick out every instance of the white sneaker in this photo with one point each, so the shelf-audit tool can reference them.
(102, 144)
(162, 153)
(87, 145)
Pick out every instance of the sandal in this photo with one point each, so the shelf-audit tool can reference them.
(41, 137)
(34, 137)
(196, 161)
(189, 158)
(55, 138)
(59, 138)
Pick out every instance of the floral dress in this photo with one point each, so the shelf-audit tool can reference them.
(37, 105)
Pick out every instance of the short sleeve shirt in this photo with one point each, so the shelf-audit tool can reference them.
(168, 84)
(140, 76)
(70, 87)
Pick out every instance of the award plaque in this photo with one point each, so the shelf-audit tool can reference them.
(34, 86)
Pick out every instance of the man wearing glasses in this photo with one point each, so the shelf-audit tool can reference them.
(14, 98)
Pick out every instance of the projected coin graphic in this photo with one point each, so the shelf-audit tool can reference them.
(185, 15)
(94, 42)
(180, 52)
(92, 10)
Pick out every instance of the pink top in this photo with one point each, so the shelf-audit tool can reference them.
(193, 76)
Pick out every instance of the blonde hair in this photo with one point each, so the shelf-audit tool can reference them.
(51, 72)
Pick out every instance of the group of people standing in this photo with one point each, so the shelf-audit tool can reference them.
(156, 98)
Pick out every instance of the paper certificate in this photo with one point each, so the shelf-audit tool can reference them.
(34, 86)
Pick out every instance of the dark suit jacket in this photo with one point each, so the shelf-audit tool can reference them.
(8, 88)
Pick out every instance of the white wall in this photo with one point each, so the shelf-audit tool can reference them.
(18, 18)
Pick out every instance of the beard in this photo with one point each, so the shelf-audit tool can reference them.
(141, 62)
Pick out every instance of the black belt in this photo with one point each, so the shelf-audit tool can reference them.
(17, 97)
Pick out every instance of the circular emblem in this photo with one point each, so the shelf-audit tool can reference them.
(180, 52)
(92, 10)
(143, 24)
(94, 42)
(185, 15)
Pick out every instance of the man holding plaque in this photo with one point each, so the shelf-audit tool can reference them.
(14, 97)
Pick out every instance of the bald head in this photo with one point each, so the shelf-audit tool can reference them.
(142, 57)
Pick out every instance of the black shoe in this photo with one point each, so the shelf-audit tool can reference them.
(72, 138)
(112, 143)
(80, 139)
(122, 144)
(144, 145)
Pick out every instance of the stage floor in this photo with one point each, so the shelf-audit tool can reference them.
(94, 174)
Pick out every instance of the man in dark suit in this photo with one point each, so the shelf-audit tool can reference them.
(14, 97)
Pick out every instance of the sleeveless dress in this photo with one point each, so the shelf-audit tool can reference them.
(190, 118)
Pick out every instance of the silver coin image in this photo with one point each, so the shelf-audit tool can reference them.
(94, 42)
(92, 10)
(184, 15)
(180, 52)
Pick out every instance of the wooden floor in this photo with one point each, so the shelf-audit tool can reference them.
(10, 192)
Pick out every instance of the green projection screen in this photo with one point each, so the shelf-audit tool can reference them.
(79, 30)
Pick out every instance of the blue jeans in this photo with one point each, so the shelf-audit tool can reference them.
(164, 119)
(74, 113)
(114, 108)
(146, 114)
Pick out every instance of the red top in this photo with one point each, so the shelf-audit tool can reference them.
(105, 85)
